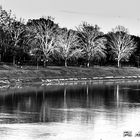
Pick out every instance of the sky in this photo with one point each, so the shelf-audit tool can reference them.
(71, 13)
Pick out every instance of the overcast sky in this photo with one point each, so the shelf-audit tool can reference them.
(70, 13)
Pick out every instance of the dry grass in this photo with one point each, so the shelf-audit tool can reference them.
(11, 72)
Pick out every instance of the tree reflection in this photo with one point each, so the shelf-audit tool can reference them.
(65, 105)
(117, 95)
(87, 93)
(83, 104)
(44, 114)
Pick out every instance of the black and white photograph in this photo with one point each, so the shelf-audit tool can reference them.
(69, 69)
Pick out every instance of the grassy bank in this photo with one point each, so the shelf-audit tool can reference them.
(29, 73)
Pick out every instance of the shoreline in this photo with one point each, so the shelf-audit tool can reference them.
(57, 74)
(89, 79)
(57, 81)
(29, 86)
(38, 84)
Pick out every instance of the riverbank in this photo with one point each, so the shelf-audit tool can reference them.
(12, 75)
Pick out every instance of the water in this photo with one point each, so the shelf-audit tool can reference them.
(92, 111)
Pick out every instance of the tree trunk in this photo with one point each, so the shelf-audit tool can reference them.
(14, 60)
(0, 57)
(66, 63)
(37, 64)
(44, 63)
(118, 63)
(88, 64)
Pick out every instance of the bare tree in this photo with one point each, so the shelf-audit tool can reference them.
(44, 33)
(5, 21)
(13, 30)
(121, 44)
(67, 46)
(6, 17)
(92, 42)
(16, 31)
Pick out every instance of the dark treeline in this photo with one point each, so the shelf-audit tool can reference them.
(42, 42)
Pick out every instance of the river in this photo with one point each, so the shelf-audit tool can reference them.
(89, 111)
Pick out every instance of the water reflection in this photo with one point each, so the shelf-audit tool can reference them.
(102, 107)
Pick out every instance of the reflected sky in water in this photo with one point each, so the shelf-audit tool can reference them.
(90, 111)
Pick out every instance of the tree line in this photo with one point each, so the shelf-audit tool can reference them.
(43, 42)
